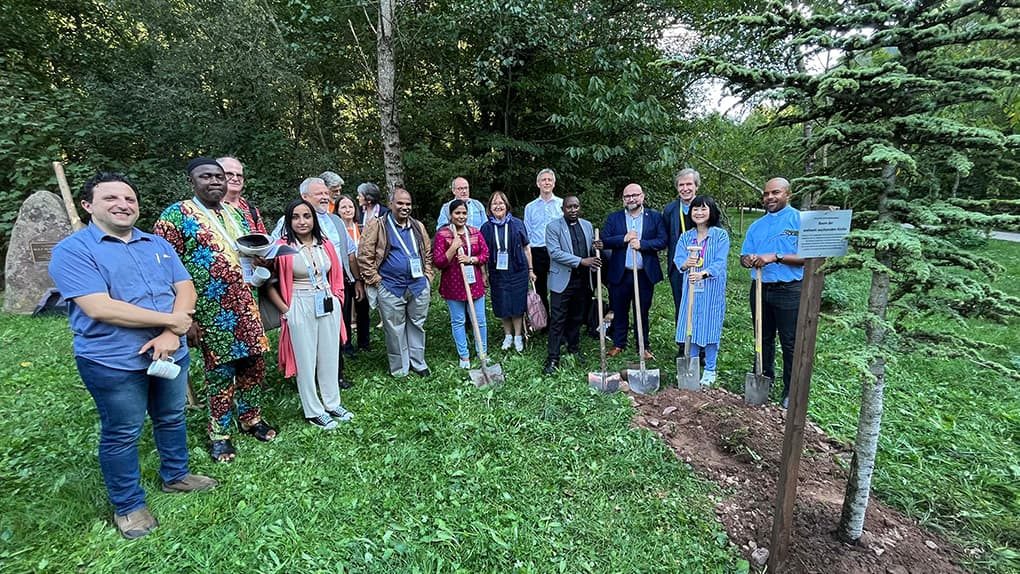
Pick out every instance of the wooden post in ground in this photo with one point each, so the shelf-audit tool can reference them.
(796, 413)
(741, 219)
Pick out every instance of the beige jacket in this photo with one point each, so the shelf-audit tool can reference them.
(375, 247)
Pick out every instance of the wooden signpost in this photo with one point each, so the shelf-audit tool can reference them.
(822, 234)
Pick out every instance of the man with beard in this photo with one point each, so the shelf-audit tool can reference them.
(204, 231)
(771, 245)
(572, 257)
(677, 219)
(636, 235)
(396, 261)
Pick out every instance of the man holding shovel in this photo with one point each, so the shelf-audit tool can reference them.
(771, 246)
(572, 257)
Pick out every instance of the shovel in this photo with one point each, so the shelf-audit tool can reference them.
(487, 375)
(688, 368)
(757, 385)
(642, 381)
(602, 381)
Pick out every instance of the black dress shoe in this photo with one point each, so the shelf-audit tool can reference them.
(422, 373)
(343, 383)
(550, 366)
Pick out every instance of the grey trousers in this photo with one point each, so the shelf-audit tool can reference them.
(404, 324)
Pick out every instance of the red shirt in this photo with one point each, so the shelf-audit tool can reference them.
(451, 283)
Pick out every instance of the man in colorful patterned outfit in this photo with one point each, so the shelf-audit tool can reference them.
(203, 230)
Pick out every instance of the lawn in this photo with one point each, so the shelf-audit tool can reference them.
(539, 475)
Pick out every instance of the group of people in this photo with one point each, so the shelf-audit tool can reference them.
(136, 299)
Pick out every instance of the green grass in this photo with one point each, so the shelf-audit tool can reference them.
(431, 476)
(949, 453)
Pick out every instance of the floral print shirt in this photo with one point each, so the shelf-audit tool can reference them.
(227, 310)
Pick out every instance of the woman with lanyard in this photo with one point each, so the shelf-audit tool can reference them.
(706, 281)
(310, 296)
(459, 244)
(355, 310)
(510, 269)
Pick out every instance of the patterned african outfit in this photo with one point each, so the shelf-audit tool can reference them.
(230, 330)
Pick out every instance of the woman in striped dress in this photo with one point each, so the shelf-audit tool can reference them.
(705, 267)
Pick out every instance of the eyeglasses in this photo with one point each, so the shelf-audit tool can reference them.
(232, 175)
(633, 196)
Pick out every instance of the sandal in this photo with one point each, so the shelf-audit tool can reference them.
(260, 430)
(222, 450)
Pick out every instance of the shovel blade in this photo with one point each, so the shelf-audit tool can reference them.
(604, 382)
(688, 373)
(491, 375)
(756, 389)
(643, 382)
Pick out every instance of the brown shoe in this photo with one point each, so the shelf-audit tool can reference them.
(135, 524)
(190, 483)
(614, 352)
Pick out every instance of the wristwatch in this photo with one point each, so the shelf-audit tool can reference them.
(779, 257)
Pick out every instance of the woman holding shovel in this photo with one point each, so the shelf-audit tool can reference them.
(701, 253)
(457, 244)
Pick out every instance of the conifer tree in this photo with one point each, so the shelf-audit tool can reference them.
(895, 119)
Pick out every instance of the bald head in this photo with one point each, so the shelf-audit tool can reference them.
(633, 197)
(776, 194)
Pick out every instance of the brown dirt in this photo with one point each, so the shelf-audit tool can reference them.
(738, 447)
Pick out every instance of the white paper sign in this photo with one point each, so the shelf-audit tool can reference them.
(823, 233)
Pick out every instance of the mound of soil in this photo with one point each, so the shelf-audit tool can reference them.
(739, 448)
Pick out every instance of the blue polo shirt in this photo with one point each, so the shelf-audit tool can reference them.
(395, 270)
(775, 233)
(141, 272)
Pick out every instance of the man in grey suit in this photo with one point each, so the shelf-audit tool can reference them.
(571, 257)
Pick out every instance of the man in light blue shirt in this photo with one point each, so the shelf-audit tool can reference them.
(771, 246)
(462, 190)
(537, 215)
(130, 302)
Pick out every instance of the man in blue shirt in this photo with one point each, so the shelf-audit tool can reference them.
(677, 219)
(771, 245)
(395, 258)
(633, 228)
(462, 190)
(537, 215)
(130, 302)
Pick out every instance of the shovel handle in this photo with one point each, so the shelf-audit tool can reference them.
(757, 324)
(65, 194)
(470, 303)
(602, 316)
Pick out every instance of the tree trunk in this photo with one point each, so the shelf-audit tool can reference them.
(869, 424)
(393, 159)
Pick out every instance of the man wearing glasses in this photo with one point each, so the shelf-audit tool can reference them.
(635, 234)
(234, 170)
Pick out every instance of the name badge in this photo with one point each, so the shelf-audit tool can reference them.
(469, 273)
(416, 271)
(323, 303)
(502, 261)
(699, 286)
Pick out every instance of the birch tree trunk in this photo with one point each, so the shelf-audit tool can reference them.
(869, 423)
(393, 159)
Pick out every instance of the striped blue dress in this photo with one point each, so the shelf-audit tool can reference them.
(709, 304)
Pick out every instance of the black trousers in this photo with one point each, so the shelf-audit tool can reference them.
(780, 305)
(540, 265)
(356, 311)
(567, 314)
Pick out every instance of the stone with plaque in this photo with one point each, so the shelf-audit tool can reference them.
(42, 222)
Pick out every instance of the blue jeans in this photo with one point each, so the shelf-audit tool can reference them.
(122, 399)
(458, 310)
(711, 352)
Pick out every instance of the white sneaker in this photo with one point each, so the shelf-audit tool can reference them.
(519, 343)
(322, 421)
(343, 415)
(507, 341)
(465, 363)
(707, 378)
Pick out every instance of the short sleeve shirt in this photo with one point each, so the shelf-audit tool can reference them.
(141, 271)
(775, 233)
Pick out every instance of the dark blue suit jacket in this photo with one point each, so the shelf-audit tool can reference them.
(653, 240)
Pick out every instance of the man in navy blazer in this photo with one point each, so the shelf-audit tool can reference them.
(569, 240)
(634, 227)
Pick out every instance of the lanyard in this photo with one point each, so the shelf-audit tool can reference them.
(506, 236)
(400, 239)
(317, 274)
(467, 235)
(683, 224)
(364, 215)
(354, 232)
(230, 239)
(703, 254)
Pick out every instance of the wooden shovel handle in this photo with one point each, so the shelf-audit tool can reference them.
(757, 324)
(65, 193)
